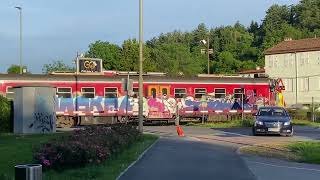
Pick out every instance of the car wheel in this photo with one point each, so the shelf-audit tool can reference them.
(291, 134)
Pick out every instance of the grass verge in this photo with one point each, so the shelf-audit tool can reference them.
(18, 149)
(225, 124)
(305, 123)
(307, 152)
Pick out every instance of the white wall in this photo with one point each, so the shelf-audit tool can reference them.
(308, 71)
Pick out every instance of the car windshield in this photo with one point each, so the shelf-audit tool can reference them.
(272, 112)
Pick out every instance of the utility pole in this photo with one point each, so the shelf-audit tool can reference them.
(208, 53)
(207, 50)
(140, 66)
(20, 41)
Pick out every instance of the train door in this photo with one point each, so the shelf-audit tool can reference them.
(158, 90)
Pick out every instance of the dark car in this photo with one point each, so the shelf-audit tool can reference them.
(272, 120)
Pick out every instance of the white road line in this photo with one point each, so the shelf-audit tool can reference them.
(288, 167)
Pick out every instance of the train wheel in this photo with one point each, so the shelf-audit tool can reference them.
(64, 121)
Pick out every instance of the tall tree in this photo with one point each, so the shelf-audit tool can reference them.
(56, 66)
(130, 57)
(176, 59)
(109, 53)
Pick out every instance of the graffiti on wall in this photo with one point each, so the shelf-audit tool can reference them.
(43, 122)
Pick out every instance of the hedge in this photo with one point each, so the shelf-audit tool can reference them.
(92, 145)
(6, 115)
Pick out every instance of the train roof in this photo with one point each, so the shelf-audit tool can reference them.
(147, 78)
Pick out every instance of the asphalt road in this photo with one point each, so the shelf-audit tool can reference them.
(188, 159)
(207, 153)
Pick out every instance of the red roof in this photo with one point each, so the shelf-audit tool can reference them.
(292, 46)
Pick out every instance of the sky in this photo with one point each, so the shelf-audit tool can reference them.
(58, 29)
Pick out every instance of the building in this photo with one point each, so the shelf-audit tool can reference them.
(297, 63)
(254, 73)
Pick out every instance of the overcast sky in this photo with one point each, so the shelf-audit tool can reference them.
(57, 29)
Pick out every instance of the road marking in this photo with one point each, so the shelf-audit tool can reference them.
(288, 167)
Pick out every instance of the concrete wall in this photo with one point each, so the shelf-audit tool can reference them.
(307, 66)
(34, 110)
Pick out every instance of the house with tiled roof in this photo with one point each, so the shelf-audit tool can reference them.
(297, 63)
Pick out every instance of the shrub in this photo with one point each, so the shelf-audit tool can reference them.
(92, 145)
(6, 122)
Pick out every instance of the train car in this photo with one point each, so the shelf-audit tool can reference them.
(80, 96)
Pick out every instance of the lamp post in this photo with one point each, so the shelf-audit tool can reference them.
(20, 51)
(140, 66)
(208, 51)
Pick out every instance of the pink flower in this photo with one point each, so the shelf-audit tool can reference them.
(46, 162)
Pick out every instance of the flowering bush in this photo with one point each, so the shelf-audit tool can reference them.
(92, 145)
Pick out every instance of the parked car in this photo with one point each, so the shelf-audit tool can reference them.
(272, 120)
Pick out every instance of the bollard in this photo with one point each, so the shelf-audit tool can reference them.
(28, 172)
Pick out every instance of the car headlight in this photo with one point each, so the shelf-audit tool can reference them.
(287, 123)
(259, 123)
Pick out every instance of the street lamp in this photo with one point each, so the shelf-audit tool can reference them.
(208, 51)
(20, 51)
(140, 66)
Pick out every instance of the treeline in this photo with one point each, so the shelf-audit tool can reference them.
(236, 47)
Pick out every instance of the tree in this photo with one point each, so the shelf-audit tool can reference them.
(15, 69)
(109, 53)
(130, 57)
(175, 59)
(56, 66)
(307, 14)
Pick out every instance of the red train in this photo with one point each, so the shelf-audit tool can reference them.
(93, 95)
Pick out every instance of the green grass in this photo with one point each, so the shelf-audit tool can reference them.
(226, 124)
(18, 150)
(305, 123)
(308, 152)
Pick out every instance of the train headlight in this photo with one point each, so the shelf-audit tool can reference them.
(259, 123)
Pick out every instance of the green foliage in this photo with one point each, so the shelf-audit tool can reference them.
(109, 53)
(236, 47)
(93, 145)
(15, 69)
(308, 152)
(6, 122)
(175, 59)
(56, 66)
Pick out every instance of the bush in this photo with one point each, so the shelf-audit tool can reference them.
(6, 121)
(92, 145)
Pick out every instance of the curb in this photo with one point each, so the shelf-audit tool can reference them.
(138, 159)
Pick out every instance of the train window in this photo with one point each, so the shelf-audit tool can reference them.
(237, 93)
(199, 92)
(64, 92)
(110, 92)
(10, 93)
(88, 92)
(154, 92)
(164, 91)
(220, 93)
(180, 93)
(136, 91)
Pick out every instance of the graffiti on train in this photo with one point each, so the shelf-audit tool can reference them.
(159, 104)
